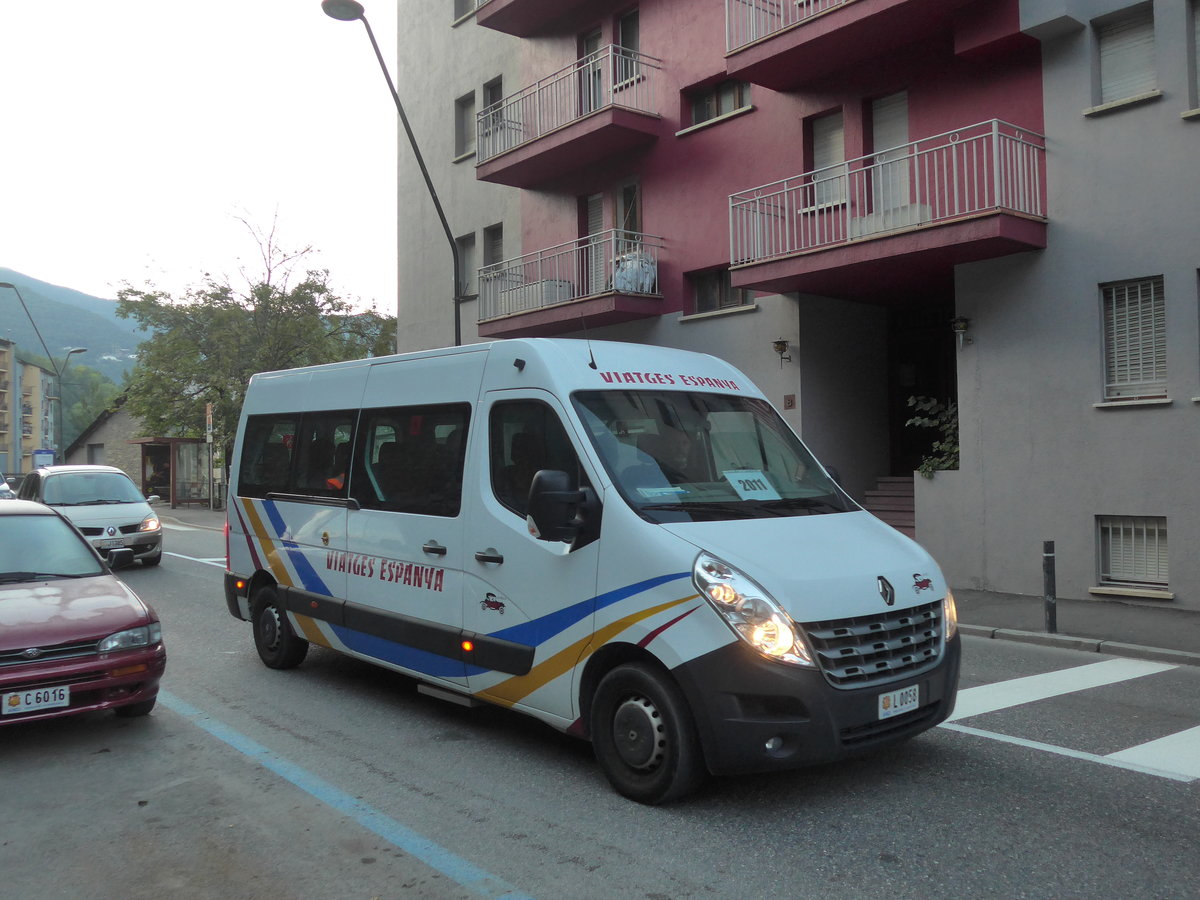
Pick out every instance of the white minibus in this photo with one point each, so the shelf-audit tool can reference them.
(626, 542)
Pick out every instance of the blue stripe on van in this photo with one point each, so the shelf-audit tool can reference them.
(536, 631)
(400, 654)
(309, 579)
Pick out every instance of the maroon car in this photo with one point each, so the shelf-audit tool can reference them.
(73, 637)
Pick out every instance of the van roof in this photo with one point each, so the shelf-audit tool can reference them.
(581, 364)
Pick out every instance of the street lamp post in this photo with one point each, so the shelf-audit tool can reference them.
(58, 372)
(50, 356)
(349, 11)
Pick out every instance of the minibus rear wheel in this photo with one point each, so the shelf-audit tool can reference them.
(644, 736)
(277, 645)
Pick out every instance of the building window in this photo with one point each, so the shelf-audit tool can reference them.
(462, 8)
(1127, 55)
(712, 291)
(629, 40)
(629, 210)
(1132, 550)
(464, 125)
(466, 265)
(1195, 54)
(1135, 339)
(828, 155)
(719, 100)
(493, 244)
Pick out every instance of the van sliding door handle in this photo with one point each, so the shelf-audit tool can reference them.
(490, 555)
(434, 548)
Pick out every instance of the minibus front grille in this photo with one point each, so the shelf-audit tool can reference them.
(867, 650)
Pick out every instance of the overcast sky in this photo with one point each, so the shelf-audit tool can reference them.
(137, 132)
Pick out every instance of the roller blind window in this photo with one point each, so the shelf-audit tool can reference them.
(1135, 339)
(1127, 56)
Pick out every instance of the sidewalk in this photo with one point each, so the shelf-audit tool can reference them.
(1141, 631)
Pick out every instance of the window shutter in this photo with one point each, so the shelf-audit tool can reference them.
(1135, 339)
(829, 149)
(1127, 57)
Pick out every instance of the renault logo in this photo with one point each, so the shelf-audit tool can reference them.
(110, 530)
(31, 653)
(886, 591)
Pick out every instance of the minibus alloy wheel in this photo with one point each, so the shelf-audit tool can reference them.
(276, 642)
(643, 735)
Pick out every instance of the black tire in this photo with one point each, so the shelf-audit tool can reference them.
(133, 710)
(644, 736)
(277, 644)
(152, 560)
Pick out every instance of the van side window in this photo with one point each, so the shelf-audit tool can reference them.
(289, 453)
(323, 454)
(410, 459)
(526, 435)
(267, 454)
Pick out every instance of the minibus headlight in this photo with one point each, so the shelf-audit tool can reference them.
(750, 611)
(950, 614)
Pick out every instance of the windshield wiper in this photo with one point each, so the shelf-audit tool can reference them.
(16, 577)
(809, 503)
(97, 502)
(710, 508)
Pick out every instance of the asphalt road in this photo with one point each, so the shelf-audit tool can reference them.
(338, 780)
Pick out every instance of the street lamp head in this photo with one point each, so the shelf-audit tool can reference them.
(343, 10)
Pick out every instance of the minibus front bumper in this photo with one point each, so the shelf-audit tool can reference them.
(758, 715)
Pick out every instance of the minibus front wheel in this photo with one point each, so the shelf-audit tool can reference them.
(276, 642)
(644, 736)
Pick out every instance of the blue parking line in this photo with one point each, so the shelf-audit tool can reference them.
(470, 876)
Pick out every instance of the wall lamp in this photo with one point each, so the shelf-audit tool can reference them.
(959, 325)
(781, 347)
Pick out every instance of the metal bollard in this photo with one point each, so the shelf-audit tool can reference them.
(1049, 599)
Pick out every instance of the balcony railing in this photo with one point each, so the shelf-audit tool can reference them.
(989, 167)
(620, 262)
(747, 21)
(612, 76)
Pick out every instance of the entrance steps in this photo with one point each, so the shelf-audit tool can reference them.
(894, 501)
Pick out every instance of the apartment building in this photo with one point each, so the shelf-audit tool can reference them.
(37, 411)
(856, 202)
(9, 408)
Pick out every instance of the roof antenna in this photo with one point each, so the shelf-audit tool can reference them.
(591, 356)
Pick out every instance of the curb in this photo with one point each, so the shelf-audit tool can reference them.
(1093, 645)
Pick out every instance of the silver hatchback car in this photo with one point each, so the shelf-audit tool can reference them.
(103, 503)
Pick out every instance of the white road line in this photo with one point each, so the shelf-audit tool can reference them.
(1179, 752)
(218, 561)
(1004, 694)
(170, 526)
(1130, 765)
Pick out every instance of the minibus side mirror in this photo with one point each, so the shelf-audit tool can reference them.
(554, 507)
(834, 474)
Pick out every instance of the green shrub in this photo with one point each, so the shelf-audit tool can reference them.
(943, 417)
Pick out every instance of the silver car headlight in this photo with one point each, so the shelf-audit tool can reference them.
(132, 639)
(150, 523)
(750, 611)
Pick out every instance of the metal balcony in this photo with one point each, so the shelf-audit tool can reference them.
(602, 279)
(601, 105)
(784, 44)
(867, 225)
(526, 18)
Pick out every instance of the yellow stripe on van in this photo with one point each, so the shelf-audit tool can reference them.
(267, 547)
(512, 691)
(312, 631)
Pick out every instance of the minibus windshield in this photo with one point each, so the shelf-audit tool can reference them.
(677, 456)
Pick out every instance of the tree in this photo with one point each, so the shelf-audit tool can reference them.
(205, 346)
